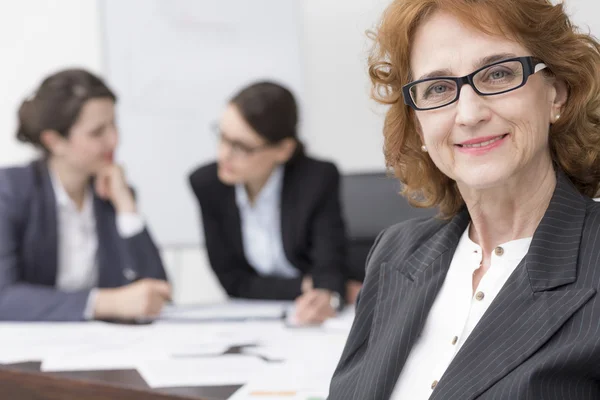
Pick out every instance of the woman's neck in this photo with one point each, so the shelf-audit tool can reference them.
(254, 187)
(512, 211)
(74, 182)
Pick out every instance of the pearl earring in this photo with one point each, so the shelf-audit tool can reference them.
(424, 148)
(557, 117)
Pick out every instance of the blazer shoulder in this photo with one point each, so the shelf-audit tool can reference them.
(208, 188)
(591, 225)
(314, 169)
(17, 182)
(402, 239)
(317, 165)
(592, 208)
(204, 179)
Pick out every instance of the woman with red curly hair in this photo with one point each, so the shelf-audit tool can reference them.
(494, 118)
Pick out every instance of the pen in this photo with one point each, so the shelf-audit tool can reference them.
(272, 393)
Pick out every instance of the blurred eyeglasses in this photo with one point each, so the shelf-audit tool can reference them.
(497, 78)
(237, 148)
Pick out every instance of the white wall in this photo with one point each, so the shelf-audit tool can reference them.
(38, 37)
(585, 14)
(175, 65)
(340, 122)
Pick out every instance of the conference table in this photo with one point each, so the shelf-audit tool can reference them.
(25, 381)
(272, 343)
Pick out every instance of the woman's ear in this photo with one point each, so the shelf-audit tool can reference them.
(286, 149)
(53, 141)
(560, 97)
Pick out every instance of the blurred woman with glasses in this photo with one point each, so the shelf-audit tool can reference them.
(271, 215)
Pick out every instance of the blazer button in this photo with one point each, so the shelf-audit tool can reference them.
(129, 274)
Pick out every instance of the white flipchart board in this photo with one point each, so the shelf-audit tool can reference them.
(174, 64)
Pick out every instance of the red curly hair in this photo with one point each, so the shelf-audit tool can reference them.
(541, 27)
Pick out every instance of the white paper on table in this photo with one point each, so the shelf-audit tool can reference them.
(292, 380)
(100, 346)
(118, 348)
(94, 361)
(234, 333)
(341, 322)
(302, 344)
(150, 342)
(124, 359)
(257, 392)
(233, 310)
(230, 369)
(35, 341)
(311, 358)
(272, 353)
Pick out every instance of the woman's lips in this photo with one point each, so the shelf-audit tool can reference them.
(481, 145)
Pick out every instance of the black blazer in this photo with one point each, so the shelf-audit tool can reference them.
(29, 250)
(311, 225)
(539, 339)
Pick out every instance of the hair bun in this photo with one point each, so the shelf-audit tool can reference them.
(26, 116)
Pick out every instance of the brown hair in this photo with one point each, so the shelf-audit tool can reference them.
(546, 31)
(271, 110)
(56, 104)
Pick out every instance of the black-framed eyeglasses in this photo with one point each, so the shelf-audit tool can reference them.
(238, 149)
(497, 78)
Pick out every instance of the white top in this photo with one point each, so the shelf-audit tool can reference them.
(261, 228)
(455, 313)
(78, 241)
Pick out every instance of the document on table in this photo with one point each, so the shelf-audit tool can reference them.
(96, 360)
(23, 342)
(230, 369)
(290, 381)
(133, 345)
(118, 348)
(304, 344)
(233, 310)
(342, 322)
(311, 357)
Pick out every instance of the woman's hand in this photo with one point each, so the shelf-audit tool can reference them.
(139, 300)
(111, 185)
(314, 307)
(352, 290)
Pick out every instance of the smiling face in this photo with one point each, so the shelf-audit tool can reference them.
(481, 142)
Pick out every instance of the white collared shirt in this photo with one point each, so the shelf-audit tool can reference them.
(78, 241)
(455, 313)
(261, 228)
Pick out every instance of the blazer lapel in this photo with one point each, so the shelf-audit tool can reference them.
(42, 229)
(232, 221)
(110, 253)
(530, 308)
(406, 292)
(288, 211)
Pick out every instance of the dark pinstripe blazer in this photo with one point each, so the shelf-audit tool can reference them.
(539, 339)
